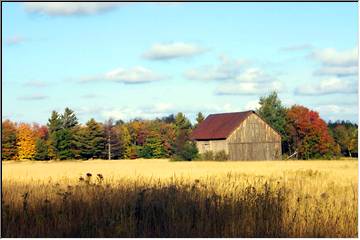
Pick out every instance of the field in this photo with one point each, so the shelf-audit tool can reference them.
(160, 198)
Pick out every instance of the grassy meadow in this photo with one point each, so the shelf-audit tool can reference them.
(160, 198)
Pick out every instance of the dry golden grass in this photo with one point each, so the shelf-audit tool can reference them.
(158, 198)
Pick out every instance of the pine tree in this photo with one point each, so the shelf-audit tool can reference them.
(93, 140)
(42, 150)
(274, 113)
(54, 123)
(64, 140)
(200, 117)
(69, 119)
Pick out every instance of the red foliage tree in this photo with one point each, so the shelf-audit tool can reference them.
(309, 134)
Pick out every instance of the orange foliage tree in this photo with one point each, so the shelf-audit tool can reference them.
(8, 140)
(309, 134)
(26, 141)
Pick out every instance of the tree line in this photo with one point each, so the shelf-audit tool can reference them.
(304, 134)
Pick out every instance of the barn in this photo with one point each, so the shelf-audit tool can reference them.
(242, 135)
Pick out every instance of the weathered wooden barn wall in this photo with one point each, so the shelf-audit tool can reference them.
(212, 145)
(254, 140)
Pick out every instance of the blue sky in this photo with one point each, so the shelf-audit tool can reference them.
(149, 59)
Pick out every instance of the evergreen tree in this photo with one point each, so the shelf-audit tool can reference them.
(66, 136)
(274, 113)
(54, 123)
(200, 117)
(181, 122)
(93, 140)
(69, 119)
(42, 150)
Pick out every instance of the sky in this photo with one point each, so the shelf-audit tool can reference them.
(148, 60)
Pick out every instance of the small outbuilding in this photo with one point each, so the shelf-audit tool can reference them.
(242, 135)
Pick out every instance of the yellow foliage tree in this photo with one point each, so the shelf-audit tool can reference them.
(25, 141)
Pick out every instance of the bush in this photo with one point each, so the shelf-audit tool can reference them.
(188, 152)
(221, 156)
(217, 156)
(208, 155)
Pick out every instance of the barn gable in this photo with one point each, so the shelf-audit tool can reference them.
(254, 139)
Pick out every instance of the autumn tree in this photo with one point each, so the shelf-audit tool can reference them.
(126, 149)
(346, 136)
(25, 142)
(308, 134)
(8, 140)
(113, 145)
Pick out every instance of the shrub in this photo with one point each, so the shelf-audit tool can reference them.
(188, 152)
(221, 156)
(217, 156)
(208, 155)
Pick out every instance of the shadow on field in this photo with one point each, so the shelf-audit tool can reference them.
(173, 210)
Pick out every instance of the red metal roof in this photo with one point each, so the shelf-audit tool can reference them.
(219, 126)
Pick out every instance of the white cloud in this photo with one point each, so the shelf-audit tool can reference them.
(168, 51)
(336, 63)
(145, 112)
(335, 112)
(333, 57)
(254, 75)
(249, 88)
(69, 8)
(328, 86)
(340, 71)
(15, 40)
(133, 75)
(227, 69)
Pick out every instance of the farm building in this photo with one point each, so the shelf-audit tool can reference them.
(242, 135)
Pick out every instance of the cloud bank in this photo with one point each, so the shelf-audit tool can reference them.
(328, 86)
(336, 63)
